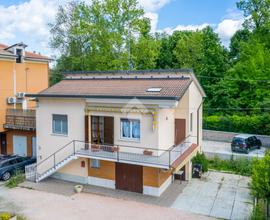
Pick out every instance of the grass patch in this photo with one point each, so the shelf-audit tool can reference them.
(259, 211)
(7, 216)
(15, 180)
(241, 166)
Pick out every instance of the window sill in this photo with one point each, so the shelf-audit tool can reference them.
(130, 140)
(59, 135)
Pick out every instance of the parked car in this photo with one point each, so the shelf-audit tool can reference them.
(245, 143)
(10, 164)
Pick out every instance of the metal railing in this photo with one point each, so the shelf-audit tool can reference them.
(134, 155)
(23, 119)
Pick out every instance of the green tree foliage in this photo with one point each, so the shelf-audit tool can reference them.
(114, 35)
(260, 179)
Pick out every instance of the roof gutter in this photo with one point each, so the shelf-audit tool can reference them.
(101, 96)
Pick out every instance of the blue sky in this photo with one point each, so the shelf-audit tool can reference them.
(26, 21)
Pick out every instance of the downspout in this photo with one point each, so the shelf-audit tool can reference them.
(198, 122)
(14, 83)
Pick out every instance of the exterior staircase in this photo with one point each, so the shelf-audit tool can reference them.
(51, 164)
(52, 170)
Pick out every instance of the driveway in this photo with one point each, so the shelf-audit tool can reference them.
(40, 205)
(218, 195)
(223, 150)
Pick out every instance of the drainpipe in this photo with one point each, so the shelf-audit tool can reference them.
(198, 123)
(14, 83)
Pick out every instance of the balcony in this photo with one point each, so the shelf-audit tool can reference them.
(20, 119)
(134, 155)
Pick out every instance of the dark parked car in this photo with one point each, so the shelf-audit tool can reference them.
(245, 143)
(10, 164)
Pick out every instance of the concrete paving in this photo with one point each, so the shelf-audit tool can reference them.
(223, 150)
(67, 188)
(40, 205)
(218, 195)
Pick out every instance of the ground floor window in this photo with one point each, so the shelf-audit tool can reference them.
(94, 163)
(130, 129)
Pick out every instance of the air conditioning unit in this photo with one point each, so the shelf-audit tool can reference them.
(11, 100)
(20, 95)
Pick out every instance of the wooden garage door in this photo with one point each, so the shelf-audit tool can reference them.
(129, 177)
(180, 131)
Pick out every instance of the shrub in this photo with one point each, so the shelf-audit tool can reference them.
(5, 216)
(253, 124)
(240, 166)
(15, 180)
(201, 159)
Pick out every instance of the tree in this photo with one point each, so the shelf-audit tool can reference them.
(260, 179)
(241, 36)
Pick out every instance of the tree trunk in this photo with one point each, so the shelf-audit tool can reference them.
(268, 208)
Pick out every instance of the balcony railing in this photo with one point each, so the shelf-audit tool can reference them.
(20, 119)
(133, 155)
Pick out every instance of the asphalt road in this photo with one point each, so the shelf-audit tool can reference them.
(223, 150)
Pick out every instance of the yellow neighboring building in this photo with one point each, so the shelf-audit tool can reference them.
(21, 72)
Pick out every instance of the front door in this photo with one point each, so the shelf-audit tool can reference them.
(3, 143)
(129, 177)
(20, 145)
(180, 131)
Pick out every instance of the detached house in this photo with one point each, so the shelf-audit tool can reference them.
(21, 72)
(122, 130)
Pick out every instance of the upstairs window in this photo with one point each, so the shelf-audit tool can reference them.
(19, 55)
(130, 129)
(60, 124)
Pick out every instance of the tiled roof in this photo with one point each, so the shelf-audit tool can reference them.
(171, 88)
(27, 53)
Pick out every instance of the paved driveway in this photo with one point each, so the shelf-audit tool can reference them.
(37, 205)
(218, 195)
(223, 150)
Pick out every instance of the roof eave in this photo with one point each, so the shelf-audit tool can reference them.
(103, 96)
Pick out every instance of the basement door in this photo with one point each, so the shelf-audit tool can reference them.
(129, 177)
(20, 145)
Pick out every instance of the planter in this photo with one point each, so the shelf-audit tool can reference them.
(78, 188)
(95, 147)
(148, 152)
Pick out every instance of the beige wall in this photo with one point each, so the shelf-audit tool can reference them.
(165, 128)
(75, 168)
(47, 142)
(190, 103)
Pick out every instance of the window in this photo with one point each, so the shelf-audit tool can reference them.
(95, 163)
(130, 129)
(191, 122)
(19, 55)
(60, 125)
(154, 89)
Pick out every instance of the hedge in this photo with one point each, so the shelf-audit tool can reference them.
(254, 124)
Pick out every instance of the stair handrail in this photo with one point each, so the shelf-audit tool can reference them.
(66, 145)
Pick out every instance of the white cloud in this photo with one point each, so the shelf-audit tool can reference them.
(227, 28)
(170, 30)
(153, 5)
(27, 22)
(154, 20)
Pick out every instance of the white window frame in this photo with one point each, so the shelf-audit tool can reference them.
(129, 138)
(61, 125)
(95, 163)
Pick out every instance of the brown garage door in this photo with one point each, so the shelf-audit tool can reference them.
(129, 177)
